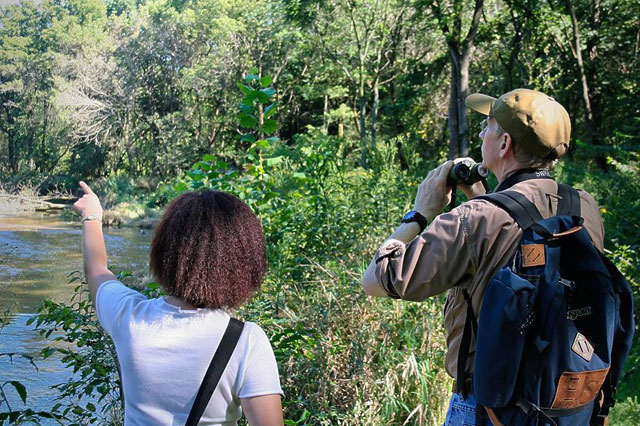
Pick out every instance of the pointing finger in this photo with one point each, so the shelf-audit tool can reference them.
(85, 188)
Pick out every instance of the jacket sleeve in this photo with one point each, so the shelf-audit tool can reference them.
(435, 261)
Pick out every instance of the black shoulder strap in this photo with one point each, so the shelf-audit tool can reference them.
(523, 211)
(215, 370)
(526, 214)
(569, 204)
(470, 325)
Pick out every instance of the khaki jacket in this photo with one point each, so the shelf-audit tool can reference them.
(464, 249)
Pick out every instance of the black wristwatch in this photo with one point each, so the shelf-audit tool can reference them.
(414, 216)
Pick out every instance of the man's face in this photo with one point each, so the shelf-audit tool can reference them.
(491, 135)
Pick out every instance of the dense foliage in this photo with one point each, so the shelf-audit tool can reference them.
(145, 94)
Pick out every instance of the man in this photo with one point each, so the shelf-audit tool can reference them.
(460, 251)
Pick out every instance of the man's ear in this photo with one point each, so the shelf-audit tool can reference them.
(506, 145)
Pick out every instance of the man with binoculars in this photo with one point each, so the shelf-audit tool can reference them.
(462, 250)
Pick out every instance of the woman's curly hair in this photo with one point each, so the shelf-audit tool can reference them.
(209, 250)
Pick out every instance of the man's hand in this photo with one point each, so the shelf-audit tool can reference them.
(433, 193)
(89, 204)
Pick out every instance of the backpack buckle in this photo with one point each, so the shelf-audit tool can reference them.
(535, 412)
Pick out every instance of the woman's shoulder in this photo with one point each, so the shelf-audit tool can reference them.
(255, 338)
(254, 331)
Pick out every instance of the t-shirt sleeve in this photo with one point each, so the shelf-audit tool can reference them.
(112, 299)
(260, 370)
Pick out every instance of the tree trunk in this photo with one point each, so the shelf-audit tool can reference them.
(374, 115)
(454, 136)
(458, 123)
(595, 96)
(325, 114)
(583, 76)
(30, 137)
(43, 139)
(463, 123)
(460, 51)
(364, 159)
(13, 157)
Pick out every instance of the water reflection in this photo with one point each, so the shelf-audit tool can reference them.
(37, 256)
(18, 338)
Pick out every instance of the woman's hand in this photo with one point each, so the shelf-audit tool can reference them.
(89, 204)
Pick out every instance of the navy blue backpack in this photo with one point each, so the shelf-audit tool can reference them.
(556, 323)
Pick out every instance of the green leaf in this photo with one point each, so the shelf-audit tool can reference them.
(91, 407)
(269, 111)
(253, 75)
(203, 166)
(262, 143)
(250, 97)
(47, 352)
(247, 109)
(274, 160)
(247, 121)
(196, 175)
(244, 88)
(299, 175)
(22, 391)
(270, 125)
(262, 97)
(248, 138)
(266, 81)
(268, 91)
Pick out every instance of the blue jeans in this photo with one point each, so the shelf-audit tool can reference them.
(462, 412)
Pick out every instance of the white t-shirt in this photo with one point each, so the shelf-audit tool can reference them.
(164, 352)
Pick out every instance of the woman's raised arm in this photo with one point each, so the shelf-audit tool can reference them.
(94, 253)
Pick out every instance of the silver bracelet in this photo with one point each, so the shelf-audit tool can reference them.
(91, 217)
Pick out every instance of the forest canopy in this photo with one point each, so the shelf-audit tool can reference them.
(90, 88)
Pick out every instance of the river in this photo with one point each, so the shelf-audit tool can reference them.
(37, 254)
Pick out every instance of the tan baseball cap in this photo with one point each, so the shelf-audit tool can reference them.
(534, 120)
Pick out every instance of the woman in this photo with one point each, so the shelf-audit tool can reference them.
(208, 253)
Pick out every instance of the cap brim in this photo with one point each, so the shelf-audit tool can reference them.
(480, 103)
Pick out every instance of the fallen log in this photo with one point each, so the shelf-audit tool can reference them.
(39, 205)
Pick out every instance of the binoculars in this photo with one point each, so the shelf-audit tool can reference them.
(467, 172)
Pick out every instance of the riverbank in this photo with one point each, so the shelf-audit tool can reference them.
(127, 214)
(27, 203)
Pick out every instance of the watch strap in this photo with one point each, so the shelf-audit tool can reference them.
(417, 217)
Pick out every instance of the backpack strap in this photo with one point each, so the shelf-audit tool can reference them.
(523, 211)
(602, 406)
(569, 204)
(526, 214)
(215, 370)
(470, 325)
